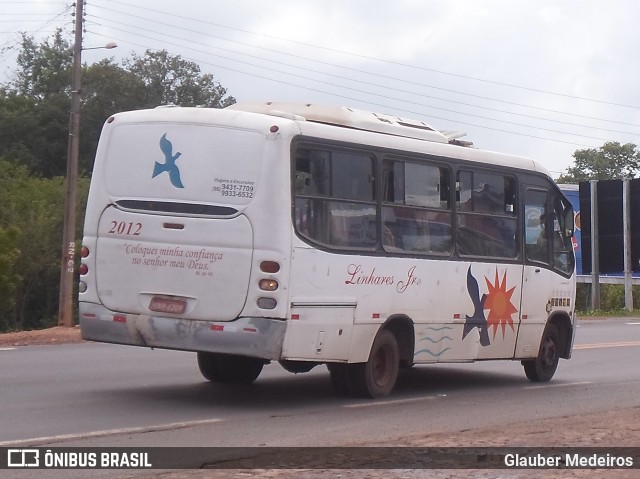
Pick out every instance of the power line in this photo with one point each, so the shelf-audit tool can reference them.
(191, 42)
(9, 45)
(356, 91)
(421, 114)
(391, 62)
(394, 79)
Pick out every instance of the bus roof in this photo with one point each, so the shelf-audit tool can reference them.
(363, 121)
(353, 118)
(358, 125)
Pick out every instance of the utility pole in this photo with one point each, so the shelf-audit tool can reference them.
(595, 248)
(626, 230)
(67, 267)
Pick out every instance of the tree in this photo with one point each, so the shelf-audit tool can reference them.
(9, 278)
(45, 69)
(34, 107)
(171, 80)
(30, 239)
(611, 161)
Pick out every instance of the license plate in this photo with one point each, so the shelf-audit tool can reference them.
(166, 305)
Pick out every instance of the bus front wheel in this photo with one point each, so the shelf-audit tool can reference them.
(377, 377)
(542, 368)
(230, 369)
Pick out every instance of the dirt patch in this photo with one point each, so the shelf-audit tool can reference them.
(606, 430)
(56, 335)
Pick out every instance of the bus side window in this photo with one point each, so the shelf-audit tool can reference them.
(334, 204)
(416, 214)
(536, 226)
(313, 173)
(562, 246)
(487, 215)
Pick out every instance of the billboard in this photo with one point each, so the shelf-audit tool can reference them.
(572, 192)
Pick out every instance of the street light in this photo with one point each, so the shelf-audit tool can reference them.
(67, 267)
(108, 46)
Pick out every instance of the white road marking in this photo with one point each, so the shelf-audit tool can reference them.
(621, 344)
(7, 349)
(108, 432)
(564, 385)
(394, 401)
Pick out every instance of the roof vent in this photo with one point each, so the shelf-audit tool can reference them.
(350, 118)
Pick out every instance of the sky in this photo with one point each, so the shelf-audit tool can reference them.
(535, 78)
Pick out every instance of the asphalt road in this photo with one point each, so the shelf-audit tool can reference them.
(106, 395)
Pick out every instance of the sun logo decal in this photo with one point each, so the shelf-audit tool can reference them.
(497, 301)
(499, 304)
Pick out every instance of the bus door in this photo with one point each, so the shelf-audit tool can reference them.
(487, 233)
(538, 276)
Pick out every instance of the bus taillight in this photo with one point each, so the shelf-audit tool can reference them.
(268, 284)
(84, 269)
(269, 267)
(267, 303)
(84, 252)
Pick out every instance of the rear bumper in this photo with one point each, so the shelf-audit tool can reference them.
(254, 337)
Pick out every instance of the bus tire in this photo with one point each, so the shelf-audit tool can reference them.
(377, 377)
(542, 368)
(229, 369)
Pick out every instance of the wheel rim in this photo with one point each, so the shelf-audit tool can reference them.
(549, 353)
(381, 370)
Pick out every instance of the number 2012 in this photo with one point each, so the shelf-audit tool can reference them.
(124, 228)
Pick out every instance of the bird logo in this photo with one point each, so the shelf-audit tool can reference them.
(170, 163)
(477, 320)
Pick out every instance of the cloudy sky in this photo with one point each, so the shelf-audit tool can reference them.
(537, 78)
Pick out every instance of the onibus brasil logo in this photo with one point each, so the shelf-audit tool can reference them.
(169, 164)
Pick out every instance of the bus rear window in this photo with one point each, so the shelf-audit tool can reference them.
(183, 163)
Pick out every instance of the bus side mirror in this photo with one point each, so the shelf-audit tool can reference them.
(569, 223)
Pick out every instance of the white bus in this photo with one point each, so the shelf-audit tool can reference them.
(316, 235)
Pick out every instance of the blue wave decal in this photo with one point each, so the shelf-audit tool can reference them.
(443, 328)
(431, 353)
(434, 341)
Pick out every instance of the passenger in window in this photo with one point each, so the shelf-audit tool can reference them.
(389, 238)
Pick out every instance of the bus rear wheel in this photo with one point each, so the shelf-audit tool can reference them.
(228, 368)
(377, 377)
(542, 368)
